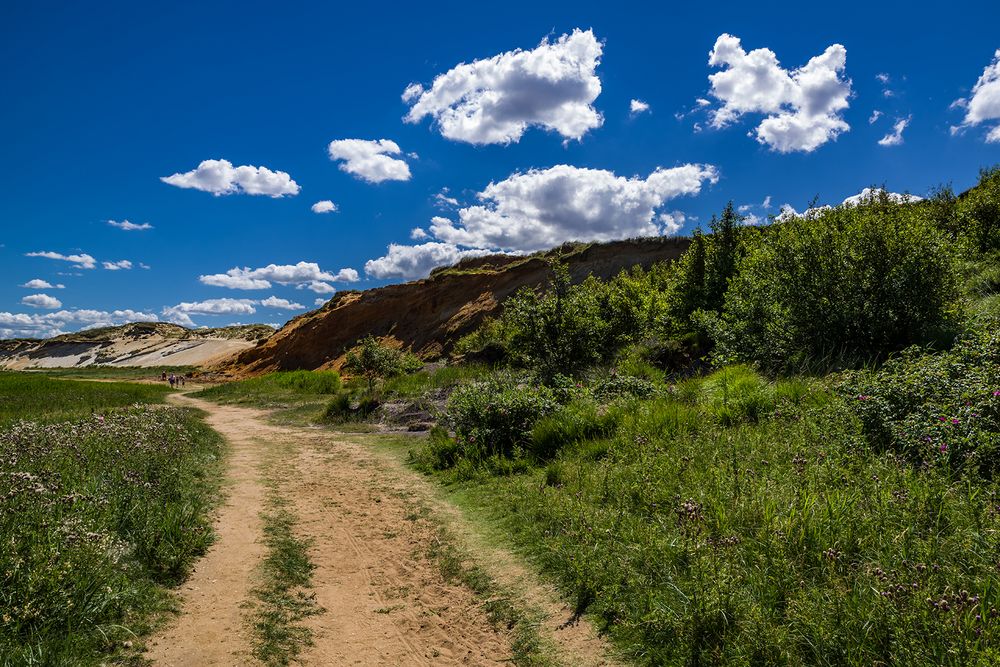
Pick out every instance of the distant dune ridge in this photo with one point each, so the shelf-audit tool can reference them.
(141, 344)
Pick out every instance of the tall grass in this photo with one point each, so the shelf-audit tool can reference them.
(97, 516)
(744, 522)
(274, 388)
(30, 396)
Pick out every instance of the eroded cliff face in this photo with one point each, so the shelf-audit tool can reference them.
(428, 316)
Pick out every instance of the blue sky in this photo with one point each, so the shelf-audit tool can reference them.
(104, 100)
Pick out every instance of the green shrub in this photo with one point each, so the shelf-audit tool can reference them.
(941, 408)
(376, 361)
(856, 282)
(978, 212)
(556, 332)
(495, 417)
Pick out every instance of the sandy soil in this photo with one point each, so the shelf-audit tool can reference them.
(371, 523)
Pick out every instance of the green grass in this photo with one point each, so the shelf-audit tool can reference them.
(737, 521)
(99, 372)
(31, 396)
(417, 384)
(297, 397)
(283, 597)
(99, 515)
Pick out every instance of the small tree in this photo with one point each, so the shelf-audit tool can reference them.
(376, 361)
(721, 260)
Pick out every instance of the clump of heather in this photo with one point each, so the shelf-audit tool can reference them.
(95, 515)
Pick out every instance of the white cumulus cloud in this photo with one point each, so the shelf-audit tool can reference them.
(42, 301)
(38, 283)
(541, 208)
(983, 105)
(370, 160)
(895, 138)
(320, 301)
(302, 273)
(117, 266)
(494, 100)
(416, 261)
(636, 107)
(129, 226)
(220, 177)
(324, 206)
(80, 261)
(802, 107)
(283, 304)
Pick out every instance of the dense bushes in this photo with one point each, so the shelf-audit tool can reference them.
(494, 418)
(855, 282)
(978, 212)
(941, 408)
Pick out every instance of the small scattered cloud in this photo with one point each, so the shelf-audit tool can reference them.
(318, 287)
(418, 234)
(876, 114)
(370, 160)
(983, 105)
(324, 206)
(320, 301)
(130, 226)
(495, 100)
(80, 261)
(220, 177)
(42, 301)
(766, 205)
(802, 107)
(38, 283)
(302, 273)
(895, 138)
(282, 304)
(117, 266)
(443, 200)
(637, 107)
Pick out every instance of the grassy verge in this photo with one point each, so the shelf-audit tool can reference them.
(732, 521)
(283, 598)
(295, 397)
(99, 516)
(35, 397)
(99, 372)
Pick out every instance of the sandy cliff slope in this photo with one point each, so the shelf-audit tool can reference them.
(428, 316)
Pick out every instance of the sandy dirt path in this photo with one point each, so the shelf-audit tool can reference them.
(372, 524)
